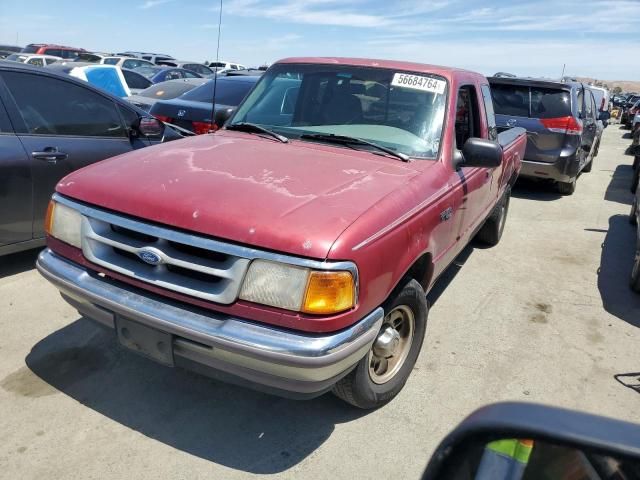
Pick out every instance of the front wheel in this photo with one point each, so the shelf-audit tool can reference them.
(382, 373)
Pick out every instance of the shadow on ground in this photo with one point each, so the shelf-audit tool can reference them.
(229, 425)
(530, 189)
(616, 263)
(618, 189)
(18, 262)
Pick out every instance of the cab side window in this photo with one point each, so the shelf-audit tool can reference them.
(49, 106)
(467, 115)
(580, 102)
(588, 105)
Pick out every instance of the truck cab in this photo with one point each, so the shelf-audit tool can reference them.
(291, 251)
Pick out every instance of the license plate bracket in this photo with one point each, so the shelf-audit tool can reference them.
(146, 341)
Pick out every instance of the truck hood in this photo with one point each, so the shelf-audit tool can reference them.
(295, 198)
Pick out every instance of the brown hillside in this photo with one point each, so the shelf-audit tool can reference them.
(626, 85)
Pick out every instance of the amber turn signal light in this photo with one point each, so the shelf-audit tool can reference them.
(48, 219)
(329, 292)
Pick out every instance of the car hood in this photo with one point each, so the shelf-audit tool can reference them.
(295, 198)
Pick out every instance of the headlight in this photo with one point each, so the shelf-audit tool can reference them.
(64, 223)
(298, 289)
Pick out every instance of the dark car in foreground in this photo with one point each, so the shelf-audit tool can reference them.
(50, 125)
(193, 110)
(162, 74)
(148, 97)
(561, 123)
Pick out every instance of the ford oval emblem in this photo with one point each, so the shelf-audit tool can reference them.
(150, 257)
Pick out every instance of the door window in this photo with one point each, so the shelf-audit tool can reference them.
(55, 107)
(173, 75)
(134, 63)
(36, 61)
(135, 81)
(580, 102)
(467, 115)
(56, 52)
(188, 74)
(488, 108)
(111, 61)
(588, 105)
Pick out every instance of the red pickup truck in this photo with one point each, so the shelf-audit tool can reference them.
(292, 250)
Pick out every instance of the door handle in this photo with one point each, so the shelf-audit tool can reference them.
(50, 155)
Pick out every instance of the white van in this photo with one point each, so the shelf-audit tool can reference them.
(602, 97)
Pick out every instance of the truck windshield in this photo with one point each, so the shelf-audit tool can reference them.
(402, 111)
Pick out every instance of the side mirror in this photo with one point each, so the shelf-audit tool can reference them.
(222, 115)
(149, 127)
(478, 152)
(525, 441)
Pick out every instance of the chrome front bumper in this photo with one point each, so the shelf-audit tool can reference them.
(272, 359)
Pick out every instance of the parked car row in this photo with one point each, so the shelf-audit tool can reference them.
(50, 125)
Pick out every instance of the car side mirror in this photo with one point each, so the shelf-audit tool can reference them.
(222, 115)
(479, 152)
(604, 116)
(149, 127)
(519, 441)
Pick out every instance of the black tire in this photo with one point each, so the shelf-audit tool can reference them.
(633, 219)
(634, 283)
(358, 388)
(491, 232)
(567, 188)
(635, 180)
(636, 161)
(587, 168)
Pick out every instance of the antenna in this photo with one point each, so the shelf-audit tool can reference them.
(215, 76)
(563, 65)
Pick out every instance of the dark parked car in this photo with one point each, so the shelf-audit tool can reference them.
(193, 111)
(50, 125)
(148, 97)
(561, 123)
(196, 67)
(626, 118)
(162, 74)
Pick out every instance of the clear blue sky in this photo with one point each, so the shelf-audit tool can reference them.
(598, 38)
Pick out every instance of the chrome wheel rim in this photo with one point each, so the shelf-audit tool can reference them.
(392, 345)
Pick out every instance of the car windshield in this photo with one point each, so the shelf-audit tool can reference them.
(228, 92)
(402, 111)
(17, 58)
(148, 71)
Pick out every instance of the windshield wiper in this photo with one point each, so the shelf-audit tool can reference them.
(254, 128)
(344, 139)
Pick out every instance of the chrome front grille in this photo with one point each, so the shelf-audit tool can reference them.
(186, 263)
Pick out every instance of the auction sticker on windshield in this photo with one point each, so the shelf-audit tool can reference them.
(417, 82)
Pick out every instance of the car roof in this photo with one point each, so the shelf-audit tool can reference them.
(540, 82)
(446, 72)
